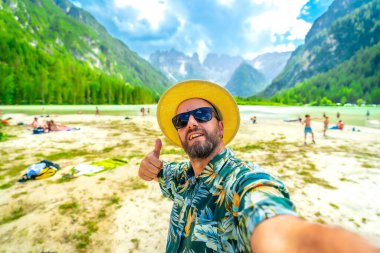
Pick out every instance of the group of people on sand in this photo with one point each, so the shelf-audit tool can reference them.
(308, 129)
(47, 126)
(144, 112)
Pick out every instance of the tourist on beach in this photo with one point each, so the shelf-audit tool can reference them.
(307, 123)
(340, 125)
(36, 123)
(142, 110)
(337, 115)
(222, 204)
(325, 125)
(367, 114)
(97, 112)
(253, 119)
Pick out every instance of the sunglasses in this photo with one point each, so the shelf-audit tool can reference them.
(201, 115)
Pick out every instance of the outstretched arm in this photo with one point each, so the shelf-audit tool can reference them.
(288, 234)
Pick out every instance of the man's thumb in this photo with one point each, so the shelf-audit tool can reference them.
(157, 148)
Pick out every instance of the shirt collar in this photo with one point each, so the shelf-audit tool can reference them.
(211, 172)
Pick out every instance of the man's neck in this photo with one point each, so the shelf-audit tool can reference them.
(199, 164)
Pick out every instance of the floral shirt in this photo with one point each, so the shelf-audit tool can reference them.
(218, 210)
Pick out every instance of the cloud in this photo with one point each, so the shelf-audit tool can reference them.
(77, 4)
(152, 12)
(244, 27)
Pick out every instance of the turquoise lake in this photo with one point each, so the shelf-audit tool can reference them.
(353, 115)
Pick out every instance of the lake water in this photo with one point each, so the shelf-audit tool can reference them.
(350, 115)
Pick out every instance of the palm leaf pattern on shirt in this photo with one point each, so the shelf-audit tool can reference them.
(219, 210)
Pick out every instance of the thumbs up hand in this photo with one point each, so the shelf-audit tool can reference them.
(151, 165)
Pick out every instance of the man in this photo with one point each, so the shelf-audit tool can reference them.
(221, 204)
(308, 129)
(325, 125)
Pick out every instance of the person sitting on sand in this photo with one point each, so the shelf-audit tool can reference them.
(340, 125)
(36, 123)
(307, 122)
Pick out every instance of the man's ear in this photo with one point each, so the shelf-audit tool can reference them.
(221, 127)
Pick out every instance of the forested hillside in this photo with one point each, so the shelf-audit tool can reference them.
(339, 61)
(354, 81)
(49, 57)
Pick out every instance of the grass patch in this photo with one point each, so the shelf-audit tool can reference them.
(114, 200)
(102, 213)
(6, 185)
(83, 238)
(367, 165)
(135, 183)
(334, 205)
(65, 178)
(136, 243)
(308, 178)
(71, 207)
(321, 221)
(173, 151)
(107, 149)
(14, 215)
(135, 154)
(16, 195)
(64, 155)
(15, 170)
(248, 147)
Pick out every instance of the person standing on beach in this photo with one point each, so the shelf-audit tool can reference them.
(307, 123)
(97, 112)
(222, 204)
(325, 125)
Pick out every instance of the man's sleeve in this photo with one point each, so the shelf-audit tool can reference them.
(260, 197)
(168, 178)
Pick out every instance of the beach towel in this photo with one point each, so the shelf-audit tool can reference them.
(86, 169)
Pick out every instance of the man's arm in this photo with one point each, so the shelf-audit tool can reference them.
(288, 234)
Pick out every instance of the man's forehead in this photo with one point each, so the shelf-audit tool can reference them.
(193, 103)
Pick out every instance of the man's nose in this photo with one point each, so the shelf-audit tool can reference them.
(192, 122)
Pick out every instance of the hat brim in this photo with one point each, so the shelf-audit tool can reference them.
(219, 97)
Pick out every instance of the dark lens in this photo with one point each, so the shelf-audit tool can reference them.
(203, 114)
(180, 120)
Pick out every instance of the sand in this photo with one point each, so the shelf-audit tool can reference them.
(333, 182)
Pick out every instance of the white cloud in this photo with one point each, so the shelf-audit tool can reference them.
(244, 27)
(202, 50)
(227, 3)
(279, 21)
(269, 49)
(153, 11)
(77, 4)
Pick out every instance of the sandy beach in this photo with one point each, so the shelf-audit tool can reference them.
(335, 181)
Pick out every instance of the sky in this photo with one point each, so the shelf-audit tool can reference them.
(245, 28)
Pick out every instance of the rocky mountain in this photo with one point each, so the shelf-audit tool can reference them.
(219, 68)
(246, 81)
(347, 27)
(270, 64)
(177, 66)
(59, 27)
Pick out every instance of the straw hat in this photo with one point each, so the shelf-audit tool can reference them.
(219, 97)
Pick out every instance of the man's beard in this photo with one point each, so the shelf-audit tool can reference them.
(202, 149)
